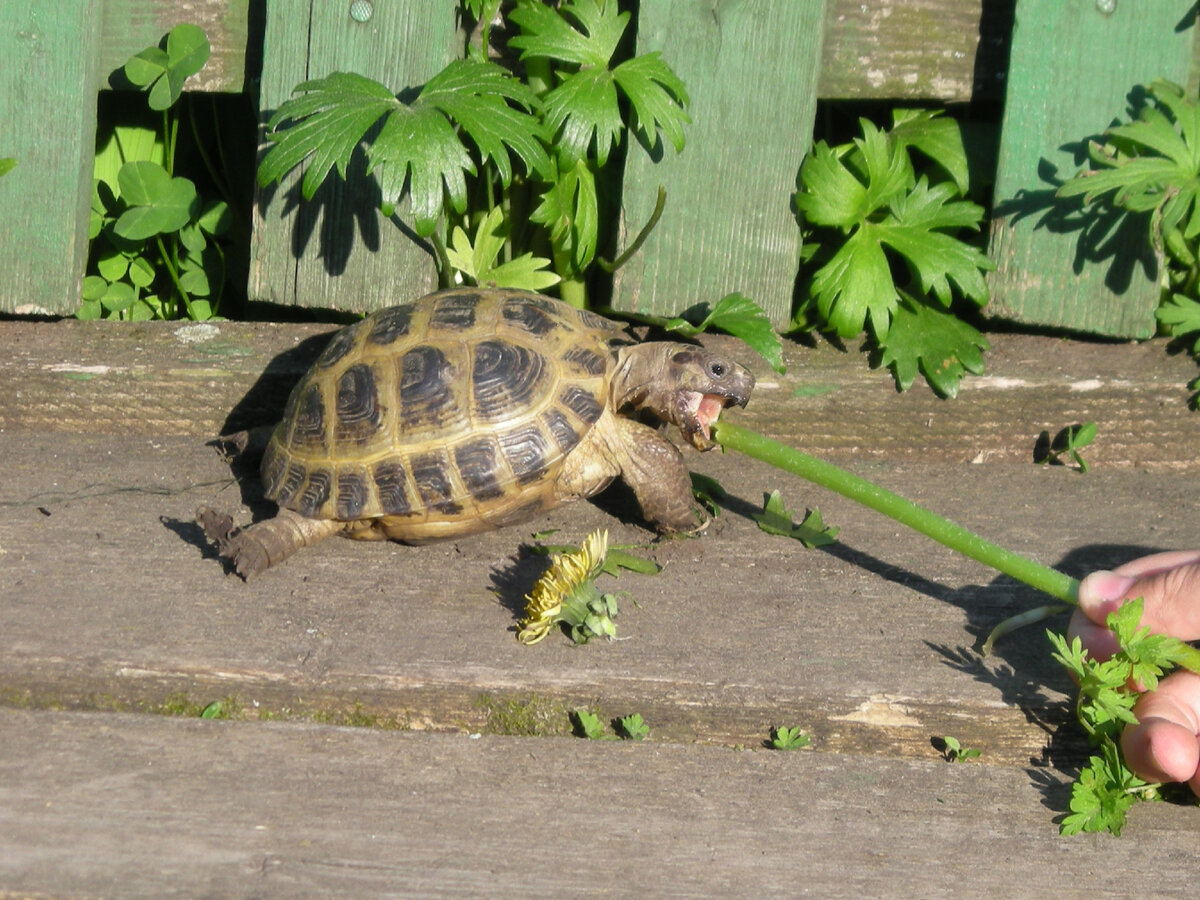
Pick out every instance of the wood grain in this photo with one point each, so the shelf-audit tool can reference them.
(1070, 71)
(48, 106)
(112, 603)
(728, 224)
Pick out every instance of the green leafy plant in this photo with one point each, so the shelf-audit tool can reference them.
(784, 738)
(477, 138)
(812, 531)
(734, 314)
(954, 751)
(884, 249)
(1149, 167)
(154, 251)
(1065, 446)
(1106, 787)
(591, 726)
(1151, 164)
(632, 727)
(708, 492)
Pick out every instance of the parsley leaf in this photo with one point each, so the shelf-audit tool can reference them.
(569, 209)
(740, 316)
(869, 215)
(937, 137)
(1104, 793)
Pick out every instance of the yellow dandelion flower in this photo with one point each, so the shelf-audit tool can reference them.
(565, 591)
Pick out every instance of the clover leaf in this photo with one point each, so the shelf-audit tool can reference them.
(157, 202)
(163, 71)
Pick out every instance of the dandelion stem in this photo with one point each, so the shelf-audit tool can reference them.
(1043, 578)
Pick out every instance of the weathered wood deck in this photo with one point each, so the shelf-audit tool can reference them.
(112, 608)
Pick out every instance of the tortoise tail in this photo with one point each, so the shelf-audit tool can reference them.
(258, 547)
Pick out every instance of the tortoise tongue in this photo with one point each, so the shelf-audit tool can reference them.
(709, 409)
(701, 411)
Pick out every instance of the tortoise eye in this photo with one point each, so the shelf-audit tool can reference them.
(716, 369)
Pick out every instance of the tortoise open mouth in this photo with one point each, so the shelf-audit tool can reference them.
(700, 411)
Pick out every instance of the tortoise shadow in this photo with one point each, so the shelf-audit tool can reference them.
(248, 425)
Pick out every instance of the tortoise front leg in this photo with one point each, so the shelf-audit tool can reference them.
(255, 549)
(654, 469)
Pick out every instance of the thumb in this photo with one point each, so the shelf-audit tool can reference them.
(1103, 593)
(1171, 598)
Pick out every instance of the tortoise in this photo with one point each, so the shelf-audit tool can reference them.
(471, 409)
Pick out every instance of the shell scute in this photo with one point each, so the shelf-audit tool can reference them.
(479, 469)
(358, 413)
(389, 325)
(432, 476)
(426, 387)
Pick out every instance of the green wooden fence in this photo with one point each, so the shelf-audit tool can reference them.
(754, 69)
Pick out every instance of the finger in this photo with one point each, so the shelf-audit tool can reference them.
(1171, 595)
(1158, 562)
(1163, 746)
(1099, 641)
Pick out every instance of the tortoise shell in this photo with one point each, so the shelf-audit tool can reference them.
(446, 416)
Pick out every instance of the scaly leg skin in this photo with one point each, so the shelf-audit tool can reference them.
(255, 549)
(654, 469)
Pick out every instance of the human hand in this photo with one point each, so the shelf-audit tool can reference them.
(1164, 745)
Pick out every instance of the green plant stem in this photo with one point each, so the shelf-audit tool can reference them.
(170, 136)
(174, 273)
(633, 248)
(573, 288)
(444, 268)
(1051, 581)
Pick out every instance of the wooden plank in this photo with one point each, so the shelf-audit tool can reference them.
(337, 251)
(48, 90)
(149, 807)
(110, 598)
(111, 602)
(127, 26)
(728, 224)
(1073, 63)
(948, 50)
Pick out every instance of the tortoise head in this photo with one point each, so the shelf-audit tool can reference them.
(683, 384)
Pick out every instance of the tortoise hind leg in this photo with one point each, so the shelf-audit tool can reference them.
(255, 549)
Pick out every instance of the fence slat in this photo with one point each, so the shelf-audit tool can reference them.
(1073, 62)
(751, 71)
(337, 251)
(949, 50)
(128, 26)
(48, 86)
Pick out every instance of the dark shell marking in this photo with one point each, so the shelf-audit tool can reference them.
(442, 417)
(426, 386)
